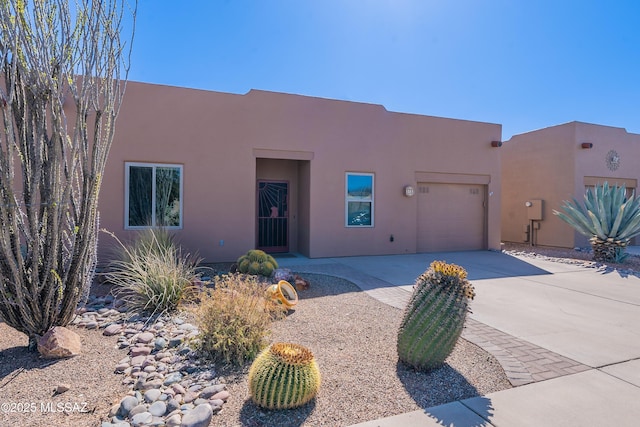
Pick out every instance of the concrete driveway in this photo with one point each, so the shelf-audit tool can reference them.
(581, 314)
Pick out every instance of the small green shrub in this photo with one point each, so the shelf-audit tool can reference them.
(152, 274)
(257, 262)
(234, 319)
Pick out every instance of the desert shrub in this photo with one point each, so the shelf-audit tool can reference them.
(152, 240)
(234, 319)
(257, 262)
(152, 274)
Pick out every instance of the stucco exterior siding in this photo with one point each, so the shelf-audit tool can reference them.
(226, 143)
(551, 165)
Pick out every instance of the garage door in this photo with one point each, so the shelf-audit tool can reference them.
(451, 217)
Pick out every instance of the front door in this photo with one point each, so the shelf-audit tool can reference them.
(273, 216)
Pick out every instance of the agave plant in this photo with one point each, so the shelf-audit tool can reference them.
(608, 217)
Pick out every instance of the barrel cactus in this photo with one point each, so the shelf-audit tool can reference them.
(257, 262)
(284, 376)
(434, 318)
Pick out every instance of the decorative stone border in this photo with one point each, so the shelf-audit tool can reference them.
(169, 383)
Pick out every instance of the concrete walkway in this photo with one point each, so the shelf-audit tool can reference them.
(567, 336)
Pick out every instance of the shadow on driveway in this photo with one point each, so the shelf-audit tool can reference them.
(389, 271)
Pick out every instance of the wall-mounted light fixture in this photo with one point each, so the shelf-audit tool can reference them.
(528, 204)
(409, 191)
(586, 145)
(496, 144)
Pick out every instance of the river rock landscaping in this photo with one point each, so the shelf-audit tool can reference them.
(169, 384)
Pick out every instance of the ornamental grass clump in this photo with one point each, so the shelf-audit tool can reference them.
(234, 319)
(435, 315)
(152, 274)
(284, 376)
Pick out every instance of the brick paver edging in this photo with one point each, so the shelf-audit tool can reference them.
(522, 361)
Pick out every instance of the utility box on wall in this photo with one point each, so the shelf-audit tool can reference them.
(534, 210)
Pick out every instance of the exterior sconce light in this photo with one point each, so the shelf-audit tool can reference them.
(496, 144)
(409, 191)
(528, 204)
(586, 145)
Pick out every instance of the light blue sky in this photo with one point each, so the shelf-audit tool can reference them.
(526, 64)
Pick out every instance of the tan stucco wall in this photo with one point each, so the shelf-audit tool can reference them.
(537, 165)
(549, 164)
(225, 142)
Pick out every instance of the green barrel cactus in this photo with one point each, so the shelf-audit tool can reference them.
(284, 376)
(434, 318)
(257, 262)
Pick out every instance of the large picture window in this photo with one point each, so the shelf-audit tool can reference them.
(153, 195)
(359, 199)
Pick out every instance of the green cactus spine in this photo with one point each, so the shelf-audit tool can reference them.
(284, 376)
(435, 315)
(257, 262)
(257, 255)
(266, 269)
(243, 264)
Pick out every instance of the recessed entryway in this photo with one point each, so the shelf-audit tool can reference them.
(273, 216)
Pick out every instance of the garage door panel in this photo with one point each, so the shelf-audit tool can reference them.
(451, 217)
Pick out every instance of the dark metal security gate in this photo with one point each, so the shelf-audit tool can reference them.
(273, 216)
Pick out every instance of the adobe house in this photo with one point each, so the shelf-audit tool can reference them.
(542, 168)
(290, 173)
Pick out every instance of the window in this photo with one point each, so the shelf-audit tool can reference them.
(359, 199)
(153, 195)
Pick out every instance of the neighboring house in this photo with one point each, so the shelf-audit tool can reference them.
(543, 168)
(290, 173)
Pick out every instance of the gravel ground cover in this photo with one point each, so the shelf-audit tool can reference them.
(353, 338)
(27, 382)
(351, 334)
(576, 256)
